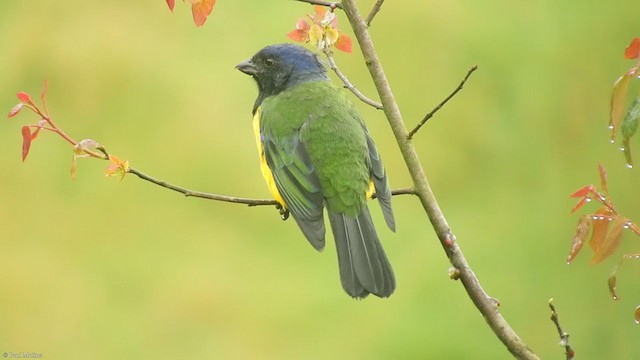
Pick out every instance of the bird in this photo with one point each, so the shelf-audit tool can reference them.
(315, 153)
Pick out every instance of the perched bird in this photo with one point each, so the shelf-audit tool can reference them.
(316, 151)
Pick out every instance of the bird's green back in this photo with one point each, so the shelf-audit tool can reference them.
(319, 116)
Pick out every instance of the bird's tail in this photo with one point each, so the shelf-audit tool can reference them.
(364, 267)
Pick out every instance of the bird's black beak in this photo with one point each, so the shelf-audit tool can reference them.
(247, 67)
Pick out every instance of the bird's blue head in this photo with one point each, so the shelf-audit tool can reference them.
(279, 67)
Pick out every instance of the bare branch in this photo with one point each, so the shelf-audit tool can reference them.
(374, 12)
(403, 191)
(203, 195)
(485, 303)
(331, 4)
(230, 199)
(564, 336)
(442, 103)
(348, 84)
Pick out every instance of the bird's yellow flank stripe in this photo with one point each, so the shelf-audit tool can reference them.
(266, 172)
(371, 190)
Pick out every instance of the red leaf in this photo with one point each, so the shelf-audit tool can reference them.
(35, 133)
(201, 9)
(302, 24)
(320, 12)
(16, 109)
(171, 4)
(633, 50)
(298, 35)
(26, 141)
(611, 241)
(582, 230)
(343, 43)
(583, 191)
(24, 97)
(579, 204)
(603, 178)
(601, 221)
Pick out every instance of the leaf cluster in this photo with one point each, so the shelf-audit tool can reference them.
(622, 118)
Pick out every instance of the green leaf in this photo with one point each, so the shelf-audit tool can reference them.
(630, 122)
(629, 128)
(618, 102)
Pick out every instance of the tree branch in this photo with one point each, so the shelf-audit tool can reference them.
(330, 4)
(230, 199)
(199, 194)
(348, 84)
(91, 148)
(485, 303)
(442, 103)
(374, 12)
(564, 336)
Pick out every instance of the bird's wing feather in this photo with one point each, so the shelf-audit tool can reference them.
(379, 178)
(297, 182)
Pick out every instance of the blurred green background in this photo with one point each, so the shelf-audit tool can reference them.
(102, 269)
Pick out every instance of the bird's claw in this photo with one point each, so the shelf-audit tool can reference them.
(284, 213)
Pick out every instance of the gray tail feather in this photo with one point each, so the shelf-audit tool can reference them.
(364, 267)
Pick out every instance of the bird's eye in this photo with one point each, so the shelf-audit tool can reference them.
(268, 62)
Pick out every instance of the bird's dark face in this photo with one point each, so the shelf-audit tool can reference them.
(279, 67)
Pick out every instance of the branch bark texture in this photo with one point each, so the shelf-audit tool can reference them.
(485, 304)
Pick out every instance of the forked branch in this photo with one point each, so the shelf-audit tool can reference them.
(374, 12)
(485, 303)
(348, 84)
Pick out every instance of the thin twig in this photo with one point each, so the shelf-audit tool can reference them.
(442, 103)
(374, 12)
(203, 195)
(348, 84)
(226, 198)
(485, 303)
(564, 336)
(331, 4)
